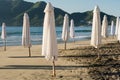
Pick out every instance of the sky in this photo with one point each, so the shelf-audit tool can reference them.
(111, 7)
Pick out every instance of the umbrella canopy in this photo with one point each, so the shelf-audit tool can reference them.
(65, 31)
(26, 41)
(3, 34)
(72, 33)
(112, 32)
(118, 34)
(117, 25)
(104, 27)
(49, 44)
(96, 28)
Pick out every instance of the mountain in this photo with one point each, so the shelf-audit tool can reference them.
(11, 12)
(86, 18)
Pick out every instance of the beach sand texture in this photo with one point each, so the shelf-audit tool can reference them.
(78, 62)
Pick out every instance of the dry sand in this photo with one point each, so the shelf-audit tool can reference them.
(16, 65)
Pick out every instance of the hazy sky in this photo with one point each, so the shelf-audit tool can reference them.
(111, 7)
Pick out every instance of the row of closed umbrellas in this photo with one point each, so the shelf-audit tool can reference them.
(49, 44)
(99, 31)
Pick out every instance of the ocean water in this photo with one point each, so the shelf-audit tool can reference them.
(14, 35)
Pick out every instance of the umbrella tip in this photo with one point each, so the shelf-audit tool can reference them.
(48, 7)
(96, 8)
(49, 3)
(118, 17)
(105, 16)
(25, 13)
(112, 22)
(72, 20)
(66, 15)
(3, 24)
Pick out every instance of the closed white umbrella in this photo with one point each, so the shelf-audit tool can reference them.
(3, 35)
(104, 27)
(117, 25)
(112, 32)
(49, 44)
(96, 28)
(26, 41)
(118, 35)
(72, 32)
(65, 31)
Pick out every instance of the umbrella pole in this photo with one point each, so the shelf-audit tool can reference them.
(65, 45)
(74, 40)
(98, 57)
(54, 72)
(29, 51)
(4, 45)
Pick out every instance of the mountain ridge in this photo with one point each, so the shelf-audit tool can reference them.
(11, 12)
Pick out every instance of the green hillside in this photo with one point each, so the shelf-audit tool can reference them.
(11, 12)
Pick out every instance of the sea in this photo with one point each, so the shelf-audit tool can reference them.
(14, 34)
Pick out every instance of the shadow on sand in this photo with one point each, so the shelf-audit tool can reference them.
(88, 55)
(49, 67)
(26, 57)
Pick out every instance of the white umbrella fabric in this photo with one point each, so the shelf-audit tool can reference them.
(65, 30)
(72, 32)
(3, 35)
(112, 32)
(117, 25)
(49, 44)
(118, 35)
(104, 27)
(26, 40)
(96, 28)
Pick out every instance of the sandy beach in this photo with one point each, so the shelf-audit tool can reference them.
(78, 62)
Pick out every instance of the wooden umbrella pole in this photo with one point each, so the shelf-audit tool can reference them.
(54, 72)
(29, 52)
(4, 45)
(65, 45)
(98, 57)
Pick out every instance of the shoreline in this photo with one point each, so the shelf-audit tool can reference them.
(77, 42)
